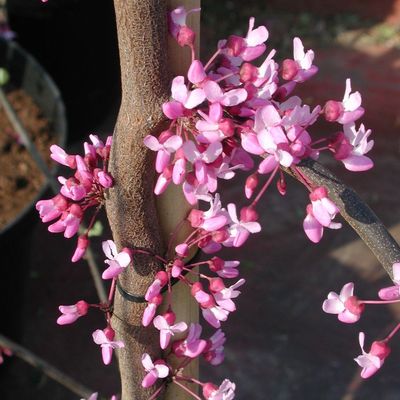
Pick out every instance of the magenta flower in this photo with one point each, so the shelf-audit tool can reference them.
(117, 262)
(52, 208)
(71, 313)
(105, 339)
(371, 362)
(345, 305)
(69, 221)
(156, 370)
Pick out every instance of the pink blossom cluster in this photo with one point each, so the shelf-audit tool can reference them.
(225, 115)
(84, 190)
(348, 307)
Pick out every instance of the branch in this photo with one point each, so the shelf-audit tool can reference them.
(355, 211)
(48, 369)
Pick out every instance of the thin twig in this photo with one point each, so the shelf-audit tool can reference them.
(48, 369)
(355, 211)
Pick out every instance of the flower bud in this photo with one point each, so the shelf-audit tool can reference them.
(332, 110)
(289, 69)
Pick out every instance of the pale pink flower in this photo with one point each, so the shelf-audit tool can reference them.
(82, 245)
(225, 269)
(117, 261)
(192, 346)
(226, 391)
(200, 159)
(230, 98)
(215, 352)
(150, 311)
(164, 148)
(72, 313)
(356, 160)
(224, 297)
(346, 111)
(184, 99)
(239, 230)
(178, 28)
(392, 292)
(320, 214)
(371, 362)
(58, 154)
(105, 339)
(304, 61)
(345, 305)
(161, 279)
(167, 328)
(156, 370)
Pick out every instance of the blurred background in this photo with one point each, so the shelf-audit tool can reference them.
(281, 345)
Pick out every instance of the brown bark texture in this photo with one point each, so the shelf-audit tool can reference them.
(355, 211)
(131, 209)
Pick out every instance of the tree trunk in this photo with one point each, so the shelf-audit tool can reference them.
(131, 206)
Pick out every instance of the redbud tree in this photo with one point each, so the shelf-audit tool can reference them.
(176, 136)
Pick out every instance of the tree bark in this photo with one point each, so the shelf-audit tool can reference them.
(135, 218)
(131, 210)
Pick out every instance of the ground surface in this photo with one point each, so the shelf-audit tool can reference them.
(281, 345)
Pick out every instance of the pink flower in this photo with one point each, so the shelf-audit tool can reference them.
(346, 111)
(225, 269)
(226, 391)
(6, 352)
(301, 68)
(117, 262)
(167, 327)
(52, 208)
(72, 313)
(150, 310)
(58, 154)
(372, 361)
(192, 346)
(356, 160)
(320, 214)
(105, 338)
(392, 292)
(69, 221)
(164, 147)
(239, 230)
(214, 94)
(178, 28)
(345, 305)
(184, 99)
(215, 352)
(161, 279)
(155, 370)
(223, 297)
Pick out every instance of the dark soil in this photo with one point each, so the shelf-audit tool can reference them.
(21, 179)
